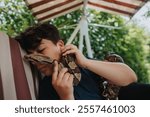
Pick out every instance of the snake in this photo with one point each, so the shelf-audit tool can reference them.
(67, 61)
(110, 91)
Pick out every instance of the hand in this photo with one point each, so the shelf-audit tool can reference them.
(62, 82)
(72, 49)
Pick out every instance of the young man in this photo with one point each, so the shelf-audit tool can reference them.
(44, 39)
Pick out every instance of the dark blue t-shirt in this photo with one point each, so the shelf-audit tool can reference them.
(87, 89)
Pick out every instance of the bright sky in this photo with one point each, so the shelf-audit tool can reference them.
(140, 19)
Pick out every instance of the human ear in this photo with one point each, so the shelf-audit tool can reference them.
(60, 44)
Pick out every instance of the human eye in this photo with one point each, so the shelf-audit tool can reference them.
(40, 50)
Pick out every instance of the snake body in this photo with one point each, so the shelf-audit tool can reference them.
(110, 91)
(67, 61)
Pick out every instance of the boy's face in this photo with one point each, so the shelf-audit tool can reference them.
(48, 48)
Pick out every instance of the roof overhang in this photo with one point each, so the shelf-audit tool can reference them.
(45, 10)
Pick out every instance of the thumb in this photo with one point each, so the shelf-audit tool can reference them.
(55, 71)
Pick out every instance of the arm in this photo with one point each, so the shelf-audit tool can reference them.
(117, 73)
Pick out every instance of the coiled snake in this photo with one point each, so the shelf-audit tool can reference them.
(109, 91)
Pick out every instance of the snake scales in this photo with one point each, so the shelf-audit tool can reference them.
(109, 91)
(65, 61)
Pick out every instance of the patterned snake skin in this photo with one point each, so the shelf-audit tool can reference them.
(110, 91)
(66, 61)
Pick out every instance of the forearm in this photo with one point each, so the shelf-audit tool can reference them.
(118, 73)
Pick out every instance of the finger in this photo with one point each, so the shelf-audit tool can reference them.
(62, 73)
(70, 79)
(66, 76)
(67, 47)
(69, 52)
(55, 71)
(64, 79)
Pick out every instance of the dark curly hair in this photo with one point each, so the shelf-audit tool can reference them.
(31, 38)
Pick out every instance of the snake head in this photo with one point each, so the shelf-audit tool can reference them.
(38, 58)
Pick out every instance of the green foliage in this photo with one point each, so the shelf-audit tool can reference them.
(105, 40)
(133, 48)
(64, 24)
(14, 16)
(128, 41)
